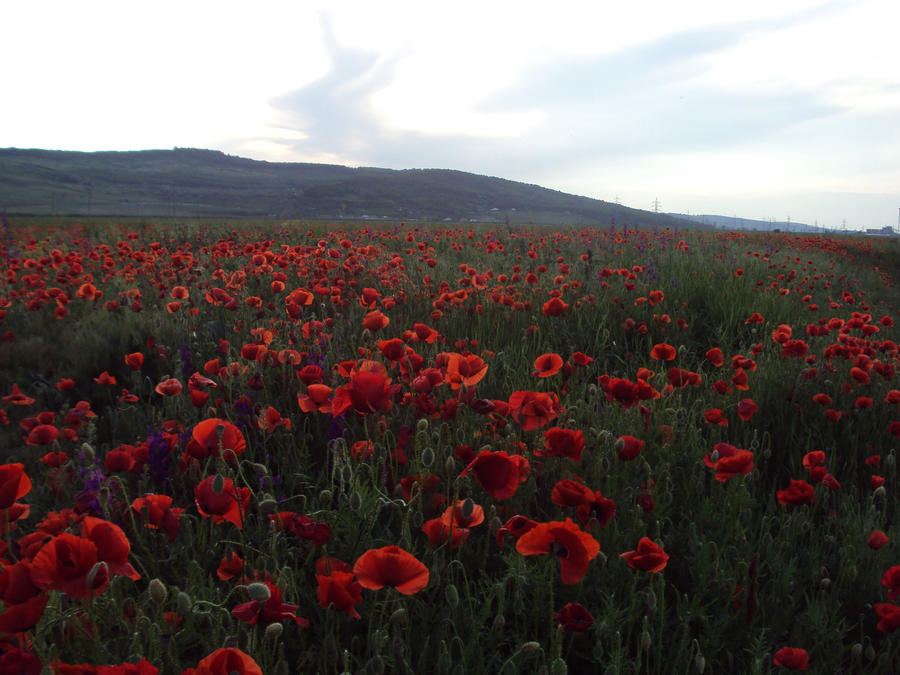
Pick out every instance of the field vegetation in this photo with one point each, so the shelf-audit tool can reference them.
(407, 448)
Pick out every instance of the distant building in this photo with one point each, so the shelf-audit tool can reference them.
(886, 231)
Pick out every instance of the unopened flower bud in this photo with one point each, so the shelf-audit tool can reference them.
(268, 506)
(558, 667)
(274, 631)
(468, 506)
(325, 498)
(218, 484)
(400, 617)
(452, 596)
(422, 426)
(87, 451)
(355, 501)
(700, 663)
(646, 641)
(258, 591)
(531, 647)
(101, 570)
(183, 603)
(157, 591)
(427, 457)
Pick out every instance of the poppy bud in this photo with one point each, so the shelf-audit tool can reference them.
(427, 457)
(274, 631)
(856, 650)
(416, 519)
(499, 622)
(619, 445)
(268, 506)
(87, 451)
(558, 667)
(422, 426)
(157, 591)
(183, 603)
(468, 506)
(218, 484)
(99, 568)
(400, 617)
(880, 491)
(347, 473)
(258, 591)
(355, 501)
(870, 653)
(450, 466)
(889, 460)
(700, 663)
(714, 456)
(452, 596)
(646, 641)
(531, 647)
(260, 469)
(325, 497)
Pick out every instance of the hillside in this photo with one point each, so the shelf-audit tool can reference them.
(197, 183)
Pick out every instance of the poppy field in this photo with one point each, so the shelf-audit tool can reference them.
(407, 448)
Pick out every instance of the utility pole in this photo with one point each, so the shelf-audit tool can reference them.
(656, 205)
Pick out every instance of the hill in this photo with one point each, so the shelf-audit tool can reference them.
(197, 183)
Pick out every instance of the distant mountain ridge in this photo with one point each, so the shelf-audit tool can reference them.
(208, 183)
(735, 223)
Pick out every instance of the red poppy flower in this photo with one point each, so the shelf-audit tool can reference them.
(715, 357)
(797, 492)
(42, 434)
(169, 387)
(568, 492)
(562, 443)
(498, 473)
(134, 361)
(456, 514)
(747, 408)
(514, 527)
(16, 397)
(888, 617)
(216, 437)
(466, 370)
(272, 419)
(628, 447)
(553, 307)
(663, 352)
(339, 591)
(624, 392)
(23, 601)
(440, 532)
(391, 566)
(368, 391)
(715, 416)
(756, 317)
(573, 618)
(791, 658)
(317, 398)
(268, 611)
(228, 661)
(547, 364)
(69, 564)
(229, 504)
(375, 321)
(877, 539)
(533, 410)
(112, 545)
(14, 484)
(574, 548)
(648, 557)
(230, 566)
(157, 512)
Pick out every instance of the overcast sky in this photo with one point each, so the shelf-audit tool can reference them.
(779, 109)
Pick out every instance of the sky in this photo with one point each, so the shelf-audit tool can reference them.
(771, 110)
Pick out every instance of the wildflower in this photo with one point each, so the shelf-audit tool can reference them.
(628, 447)
(791, 658)
(268, 611)
(68, 563)
(169, 387)
(498, 473)
(216, 437)
(747, 408)
(648, 556)
(573, 618)
(730, 461)
(562, 443)
(158, 512)
(134, 361)
(797, 492)
(391, 566)
(663, 352)
(228, 661)
(339, 591)
(14, 484)
(877, 539)
(574, 548)
(229, 504)
(547, 365)
(888, 617)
